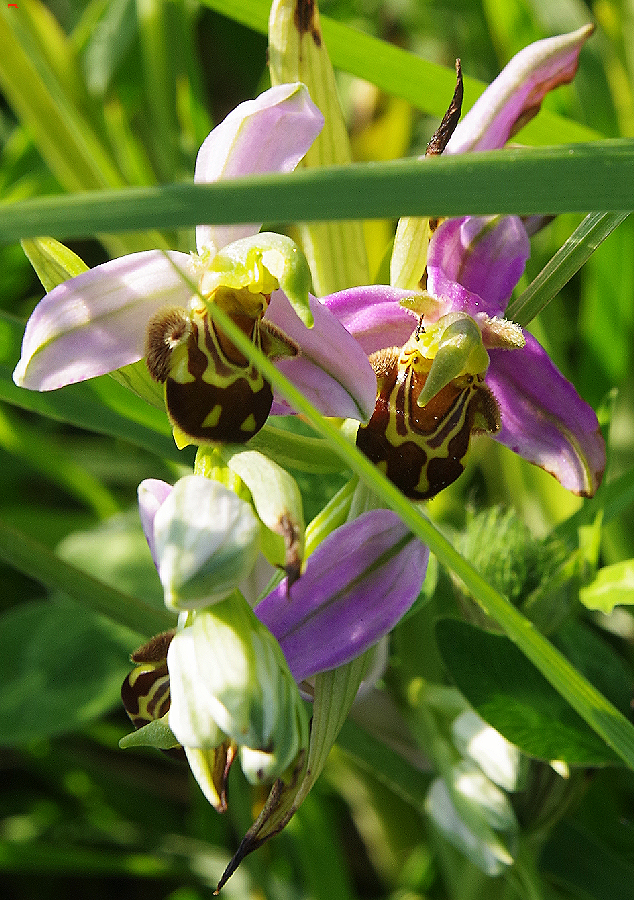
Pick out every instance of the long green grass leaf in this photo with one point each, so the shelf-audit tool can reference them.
(577, 178)
(564, 264)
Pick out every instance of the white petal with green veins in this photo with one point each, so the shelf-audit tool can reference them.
(206, 542)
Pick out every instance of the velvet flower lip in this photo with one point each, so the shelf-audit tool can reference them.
(159, 305)
(449, 346)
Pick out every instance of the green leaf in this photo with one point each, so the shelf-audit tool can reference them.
(403, 777)
(566, 262)
(58, 464)
(116, 553)
(522, 181)
(34, 559)
(613, 585)
(109, 40)
(40, 78)
(509, 693)
(64, 136)
(592, 654)
(60, 666)
(582, 862)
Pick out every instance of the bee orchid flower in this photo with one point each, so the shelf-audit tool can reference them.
(447, 363)
(159, 305)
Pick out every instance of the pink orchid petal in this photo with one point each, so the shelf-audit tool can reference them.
(151, 493)
(474, 263)
(332, 370)
(373, 315)
(348, 596)
(544, 419)
(517, 92)
(97, 321)
(269, 134)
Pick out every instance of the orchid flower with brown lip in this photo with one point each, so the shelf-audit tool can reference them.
(159, 305)
(448, 364)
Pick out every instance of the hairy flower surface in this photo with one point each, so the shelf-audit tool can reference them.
(160, 305)
(459, 367)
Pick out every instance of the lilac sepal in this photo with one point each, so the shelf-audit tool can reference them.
(517, 92)
(473, 264)
(332, 370)
(347, 598)
(544, 419)
(151, 494)
(373, 315)
(97, 321)
(269, 134)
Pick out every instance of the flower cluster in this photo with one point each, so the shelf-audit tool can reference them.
(229, 681)
(418, 365)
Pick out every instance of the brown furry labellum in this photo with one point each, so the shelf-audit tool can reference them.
(212, 392)
(421, 448)
(146, 690)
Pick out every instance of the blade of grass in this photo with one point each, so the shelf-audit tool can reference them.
(69, 144)
(523, 181)
(565, 263)
(56, 464)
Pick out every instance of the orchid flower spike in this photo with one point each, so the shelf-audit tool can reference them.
(225, 683)
(447, 363)
(160, 305)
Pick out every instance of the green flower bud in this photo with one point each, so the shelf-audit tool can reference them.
(206, 540)
(229, 680)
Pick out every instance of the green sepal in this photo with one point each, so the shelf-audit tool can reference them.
(53, 262)
(137, 379)
(613, 584)
(297, 52)
(155, 734)
(278, 503)
(335, 691)
(210, 462)
(409, 254)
